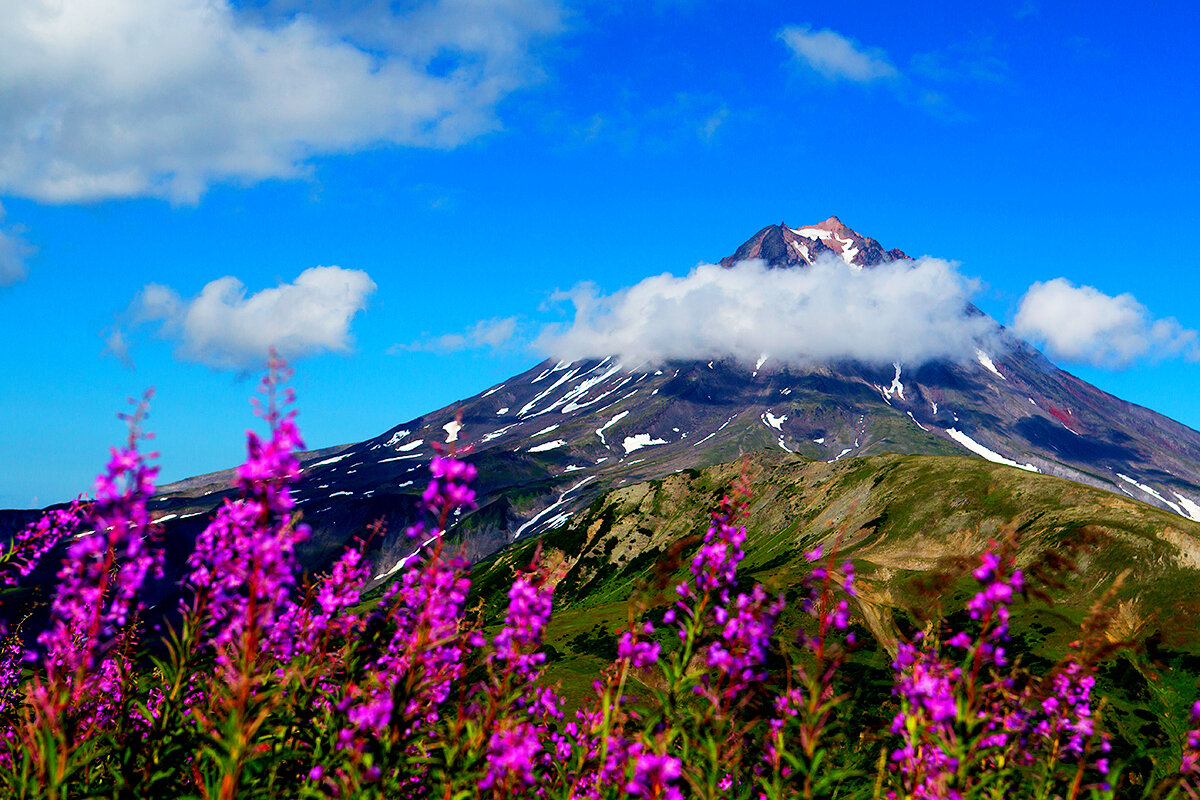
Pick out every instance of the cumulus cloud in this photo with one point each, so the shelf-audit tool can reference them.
(1084, 325)
(489, 333)
(226, 328)
(909, 311)
(836, 57)
(165, 97)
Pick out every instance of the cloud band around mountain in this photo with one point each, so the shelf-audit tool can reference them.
(908, 311)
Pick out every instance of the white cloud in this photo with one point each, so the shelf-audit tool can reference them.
(1084, 325)
(165, 97)
(225, 328)
(836, 57)
(116, 343)
(909, 311)
(493, 333)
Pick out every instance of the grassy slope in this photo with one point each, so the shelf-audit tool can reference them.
(903, 519)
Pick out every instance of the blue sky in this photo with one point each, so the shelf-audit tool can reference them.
(461, 161)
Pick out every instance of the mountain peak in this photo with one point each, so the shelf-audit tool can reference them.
(783, 247)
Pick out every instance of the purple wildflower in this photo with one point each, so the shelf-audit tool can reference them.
(640, 653)
(26, 549)
(1189, 763)
(244, 566)
(510, 756)
(654, 776)
(96, 599)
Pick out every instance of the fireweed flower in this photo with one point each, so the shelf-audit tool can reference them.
(640, 653)
(96, 602)
(425, 654)
(713, 569)
(243, 568)
(519, 711)
(325, 613)
(934, 692)
(12, 658)
(30, 544)
(654, 776)
(743, 639)
(511, 755)
(1189, 763)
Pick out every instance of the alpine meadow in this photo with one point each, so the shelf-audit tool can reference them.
(673, 400)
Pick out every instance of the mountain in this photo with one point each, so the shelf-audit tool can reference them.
(551, 440)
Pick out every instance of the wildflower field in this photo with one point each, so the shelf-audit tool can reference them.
(261, 681)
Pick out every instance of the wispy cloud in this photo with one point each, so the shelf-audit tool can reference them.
(1086, 326)
(493, 333)
(14, 252)
(708, 129)
(976, 61)
(909, 311)
(637, 123)
(224, 327)
(163, 98)
(921, 80)
(837, 57)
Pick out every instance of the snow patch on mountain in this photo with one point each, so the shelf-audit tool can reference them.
(812, 233)
(640, 440)
(1190, 507)
(714, 433)
(572, 398)
(1153, 493)
(849, 250)
(772, 421)
(529, 406)
(333, 460)
(897, 388)
(991, 455)
(496, 434)
(539, 516)
(986, 360)
(600, 431)
(541, 448)
(399, 458)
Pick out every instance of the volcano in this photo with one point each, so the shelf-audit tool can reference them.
(549, 441)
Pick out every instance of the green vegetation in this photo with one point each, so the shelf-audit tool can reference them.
(908, 522)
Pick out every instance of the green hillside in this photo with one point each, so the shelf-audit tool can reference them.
(911, 524)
